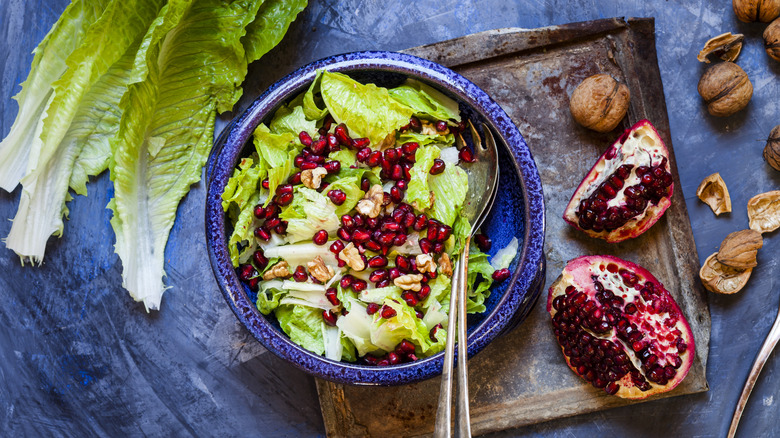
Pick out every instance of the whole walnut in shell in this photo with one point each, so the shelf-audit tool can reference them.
(772, 148)
(756, 10)
(726, 89)
(600, 102)
(772, 40)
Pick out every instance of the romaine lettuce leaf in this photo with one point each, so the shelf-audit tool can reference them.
(271, 23)
(303, 325)
(479, 280)
(291, 119)
(367, 110)
(426, 101)
(386, 333)
(449, 189)
(243, 184)
(505, 255)
(424, 139)
(350, 185)
(313, 106)
(167, 126)
(418, 194)
(49, 63)
(310, 211)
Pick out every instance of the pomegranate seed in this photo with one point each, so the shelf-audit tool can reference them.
(394, 273)
(281, 228)
(331, 295)
(383, 363)
(433, 233)
(402, 263)
(409, 148)
(378, 275)
(360, 142)
(375, 159)
(411, 357)
(320, 237)
(285, 199)
(308, 165)
(318, 147)
(387, 238)
(360, 236)
(372, 223)
(362, 154)
(410, 298)
(378, 261)
(347, 221)
(300, 274)
(409, 220)
(432, 333)
(407, 170)
(388, 312)
(437, 248)
(271, 211)
(441, 126)
(344, 235)
(425, 290)
(399, 239)
(246, 272)
(425, 245)
(465, 154)
(336, 246)
(259, 211)
(373, 246)
(396, 195)
(437, 167)
(365, 184)
(372, 308)
(332, 166)
(305, 138)
(483, 242)
(405, 347)
(383, 283)
(262, 234)
(420, 223)
(337, 196)
(397, 172)
(261, 261)
(445, 231)
(359, 285)
(329, 317)
(346, 281)
(415, 124)
(342, 134)
(264, 183)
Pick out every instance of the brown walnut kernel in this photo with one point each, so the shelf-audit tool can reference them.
(279, 270)
(740, 248)
(772, 149)
(764, 212)
(722, 279)
(772, 40)
(445, 265)
(351, 256)
(425, 263)
(724, 47)
(409, 282)
(725, 88)
(713, 192)
(600, 102)
(371, 204)
(756, 10)
(312, 178)
(319, 270)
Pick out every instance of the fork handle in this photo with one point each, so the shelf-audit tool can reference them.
(442, 428)
(758, 365)
(464, 419)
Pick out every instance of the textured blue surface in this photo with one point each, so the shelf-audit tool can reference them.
(192, 370)
(518, 212)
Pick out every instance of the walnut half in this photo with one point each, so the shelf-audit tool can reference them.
(312, 178)
(371, 204)
(279, 270)
(319, 271)
(409, 282)
(713, 192)
(425, 263)
(445, 266)
(351, 256)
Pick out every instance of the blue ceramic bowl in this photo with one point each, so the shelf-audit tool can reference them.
(517, 212)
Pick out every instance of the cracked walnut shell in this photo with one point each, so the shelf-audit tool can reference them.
(772, 148)
(713, 192)
(724, 47)
(740, 248)
(764, 212)
(722, 279)
(600, 102)
(756, 10)
(725, 88)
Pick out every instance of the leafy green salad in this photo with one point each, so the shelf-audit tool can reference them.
(346, 217)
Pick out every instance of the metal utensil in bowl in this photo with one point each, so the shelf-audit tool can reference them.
(483, 185)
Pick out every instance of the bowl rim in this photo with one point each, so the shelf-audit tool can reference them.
(225, 155)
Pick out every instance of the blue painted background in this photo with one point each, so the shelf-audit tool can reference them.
(80, 358)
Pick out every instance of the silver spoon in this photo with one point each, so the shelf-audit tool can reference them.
(483, 185)
(758, 365)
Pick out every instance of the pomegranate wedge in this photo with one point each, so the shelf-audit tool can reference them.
(627, 190)
(618, 327)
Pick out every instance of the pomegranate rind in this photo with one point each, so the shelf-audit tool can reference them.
(579, 273)
(641, 223)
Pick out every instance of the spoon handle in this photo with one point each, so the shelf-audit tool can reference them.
(758, 365)
(464, 419)
(442, 428)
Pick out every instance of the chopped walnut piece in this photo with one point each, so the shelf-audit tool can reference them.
(409, 282)
(371, 204)
(279, 270)
(351, 256)
(713, 192)
(312, 178)
(445, 266)
(319, 271)
(425, 263)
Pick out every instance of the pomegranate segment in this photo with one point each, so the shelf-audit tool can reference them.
(627, 190)
(618, 328)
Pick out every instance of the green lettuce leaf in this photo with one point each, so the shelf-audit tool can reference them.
(350, 185)
(303, 325)
(480, 278)
(49, 63)
(313, 106)
(291, 119)
(386, 333)
(449, 189)
(426, 101)
(271, 23)
(194, 67)
(45, 191)
(277, 152)
(425, 139)
(268, 299)
(309, 211)
(418, 193)
(243, 184)
(367, 110)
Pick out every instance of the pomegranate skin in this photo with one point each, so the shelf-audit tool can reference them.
(641, 314)
(638, 146)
